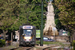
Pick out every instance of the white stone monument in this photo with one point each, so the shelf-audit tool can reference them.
(50, 26)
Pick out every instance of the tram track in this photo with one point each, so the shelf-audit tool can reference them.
(29, 48)
(14, 48)
(22, 48)
(37, 47)
(47, 48)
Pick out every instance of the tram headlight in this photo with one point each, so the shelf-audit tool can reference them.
(27, 37)
(30, 37)
(24, 37)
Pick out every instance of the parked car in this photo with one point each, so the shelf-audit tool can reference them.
(47, 39)
(1, 37)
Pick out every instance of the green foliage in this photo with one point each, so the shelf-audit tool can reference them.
(14, 14)
(57, 21)
(8, 14)
(73, 44)
(58, 24)
(66, 14)
(2, 42)
(73, 0)
(68, 33)
(31, 9)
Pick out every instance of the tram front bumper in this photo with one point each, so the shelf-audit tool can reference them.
(29, 43)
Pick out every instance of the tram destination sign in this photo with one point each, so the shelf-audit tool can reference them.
(27, 27)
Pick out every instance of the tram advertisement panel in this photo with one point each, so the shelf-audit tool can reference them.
(37, 33)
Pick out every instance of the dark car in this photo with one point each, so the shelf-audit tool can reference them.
(1, 37)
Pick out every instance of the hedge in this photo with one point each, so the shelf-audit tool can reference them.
(2, 43)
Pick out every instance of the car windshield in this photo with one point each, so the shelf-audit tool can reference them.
(27, 32)
(45, 38)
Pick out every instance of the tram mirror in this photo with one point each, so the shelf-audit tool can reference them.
(23, 34)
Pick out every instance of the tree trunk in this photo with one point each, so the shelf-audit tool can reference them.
(4, 34)
(11, 37)
(74, 36)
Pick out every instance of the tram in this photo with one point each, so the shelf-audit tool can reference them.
(27, 35)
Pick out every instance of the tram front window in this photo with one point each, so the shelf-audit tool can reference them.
(27, 32)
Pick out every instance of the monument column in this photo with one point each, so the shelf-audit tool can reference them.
(50, 26)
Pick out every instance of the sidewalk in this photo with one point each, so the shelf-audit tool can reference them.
(8, 47)
(66, 43)
(51, 47)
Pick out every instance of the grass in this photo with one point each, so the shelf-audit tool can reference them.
(53, 43)
(45, 42)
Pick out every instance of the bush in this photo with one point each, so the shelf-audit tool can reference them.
(2, 43)
(73, 44)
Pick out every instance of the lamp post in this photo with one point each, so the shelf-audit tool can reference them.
(41, 43)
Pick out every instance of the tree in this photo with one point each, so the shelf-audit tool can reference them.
(66, 14)
(8, 14)
(31, 9)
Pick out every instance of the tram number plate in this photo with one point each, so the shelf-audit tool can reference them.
(27, 39)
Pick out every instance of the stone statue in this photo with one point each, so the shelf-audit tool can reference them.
(51, 0)
(50, 7)
(50, 28)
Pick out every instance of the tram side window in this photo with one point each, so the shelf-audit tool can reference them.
(21, 31)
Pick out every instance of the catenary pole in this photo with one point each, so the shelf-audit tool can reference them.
(41, 41)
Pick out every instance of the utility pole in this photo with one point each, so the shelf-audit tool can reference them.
(41, 41)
